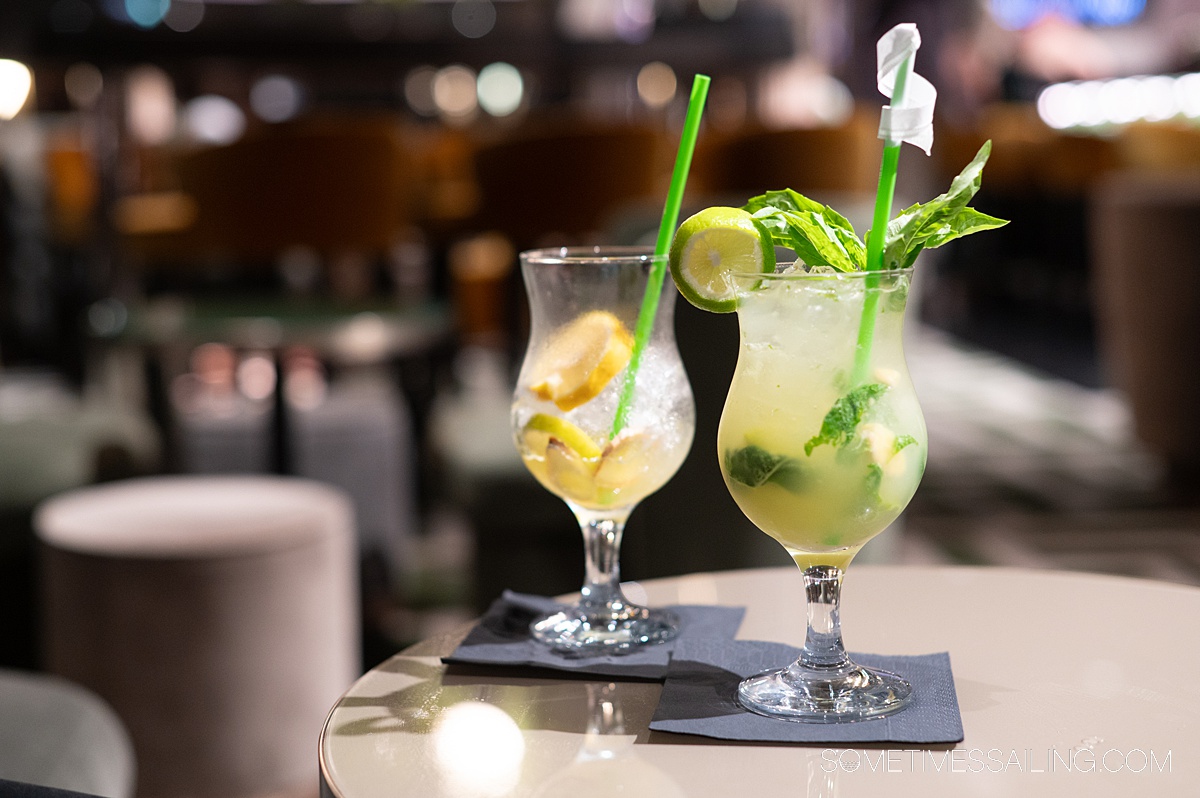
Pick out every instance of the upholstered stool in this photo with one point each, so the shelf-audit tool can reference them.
(217, 615)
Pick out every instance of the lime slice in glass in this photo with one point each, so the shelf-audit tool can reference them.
(710, 246)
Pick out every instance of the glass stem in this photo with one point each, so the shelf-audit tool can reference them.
(823, 647)
(602, 569)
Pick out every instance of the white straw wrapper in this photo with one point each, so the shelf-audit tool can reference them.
(911, 117)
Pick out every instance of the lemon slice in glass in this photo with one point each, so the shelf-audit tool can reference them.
(542, 427)
(626, 460)
(570, 476)
(581, 359)
(713, 244)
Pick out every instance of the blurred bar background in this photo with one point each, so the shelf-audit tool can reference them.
(280, 237)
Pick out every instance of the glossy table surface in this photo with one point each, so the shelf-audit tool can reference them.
(1069, 684)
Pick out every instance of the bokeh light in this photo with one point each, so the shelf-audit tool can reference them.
(276, 98)
(1101, 104)
(500, 88)
(214, 119)
(256, 376)
(418, 90)
(1020, 14)
(473, 18)
(606, 20)
(184, 15)
(147, 13)
(150, 105)
(84, 83)
(1187, 94)
(16, 84)
(656, 84)
(454, 92)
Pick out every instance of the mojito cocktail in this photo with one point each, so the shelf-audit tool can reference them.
(821, 464)
(821, 443)
(821, 488)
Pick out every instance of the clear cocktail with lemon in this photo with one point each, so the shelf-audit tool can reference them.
(584, 305)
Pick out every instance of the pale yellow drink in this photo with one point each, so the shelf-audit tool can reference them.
(570, 453)
(822, 498)
(595, 436)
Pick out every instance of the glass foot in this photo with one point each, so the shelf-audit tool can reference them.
(590, 631)
(822, 695)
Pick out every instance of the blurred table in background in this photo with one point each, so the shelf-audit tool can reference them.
(331, 391)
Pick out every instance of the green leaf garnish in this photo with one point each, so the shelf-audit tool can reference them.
(753, 466)
(873, 480)
(940, 220)
(821, 236)
(837, 429)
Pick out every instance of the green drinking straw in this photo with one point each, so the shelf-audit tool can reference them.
(666, 231)
(883, 214)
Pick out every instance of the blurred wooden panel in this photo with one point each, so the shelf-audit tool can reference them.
(561, 180)
(843, 159)
(335, 186)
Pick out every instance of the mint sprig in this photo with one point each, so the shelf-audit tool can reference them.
(820, 236)
(940, 220)
(837, 429)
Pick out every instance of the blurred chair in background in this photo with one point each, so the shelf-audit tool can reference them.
(218, 428)
(557, 182)
(1147, 292)
(217, 615)
(54, 733)
(481, 272)
(359, 437)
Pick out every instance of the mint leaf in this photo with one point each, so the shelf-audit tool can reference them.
(837, 429)
(789, 476)
(753, 466)
(819, 235)
(941, 220)
(902, 441)
(873, 480)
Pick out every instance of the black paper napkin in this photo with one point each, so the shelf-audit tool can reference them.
(700, 697)
(502, 638)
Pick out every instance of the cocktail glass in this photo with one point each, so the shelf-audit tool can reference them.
(584, 305)
(822, 459)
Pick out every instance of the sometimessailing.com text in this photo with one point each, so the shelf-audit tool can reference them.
(1099, 760)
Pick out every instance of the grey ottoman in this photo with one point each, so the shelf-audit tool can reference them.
(217, 615)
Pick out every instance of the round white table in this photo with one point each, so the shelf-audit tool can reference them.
(1069, 684)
